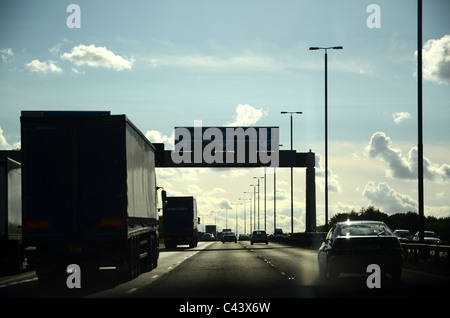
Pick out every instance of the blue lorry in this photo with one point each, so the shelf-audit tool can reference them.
(89, 193)
(180, 221)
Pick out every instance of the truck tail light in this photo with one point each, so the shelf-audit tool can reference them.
(105, 222)
(37, 224)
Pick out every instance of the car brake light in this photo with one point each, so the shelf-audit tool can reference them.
(341, 245)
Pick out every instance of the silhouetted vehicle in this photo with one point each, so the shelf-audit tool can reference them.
(259, 236)
(244, 237)
(11, 249)
(429, 237)
(180, 221)
(89, 193)
(207, 237)
(229, 237)
(278, 233)
(403, 236)
(351, 246)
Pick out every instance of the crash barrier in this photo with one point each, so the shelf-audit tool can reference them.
(311, 240)
(429, 257)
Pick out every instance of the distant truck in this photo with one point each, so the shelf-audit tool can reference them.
(88, 193)
(11, 249)
(180, 221)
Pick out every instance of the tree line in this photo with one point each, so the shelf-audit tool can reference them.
(406, 221)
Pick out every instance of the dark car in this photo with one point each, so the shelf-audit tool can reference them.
(404, 236)
(259, 236)
(244, 237)
(229, 237)
(429, 237)
(351, 246)
(208, 237)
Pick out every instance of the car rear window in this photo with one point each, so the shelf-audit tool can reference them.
(364, 230)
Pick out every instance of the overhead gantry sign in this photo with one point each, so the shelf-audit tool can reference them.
(238, 147)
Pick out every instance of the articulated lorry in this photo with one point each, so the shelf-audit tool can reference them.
(180, 221)
(11, 250)
(89, 193)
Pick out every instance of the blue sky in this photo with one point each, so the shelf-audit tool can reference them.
(167, 63)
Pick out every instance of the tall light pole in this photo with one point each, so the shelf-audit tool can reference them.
(326, 124)
(236, 221)
(420, 122)
(254, 204)
(292, 174)
(258, 198)
(245, 215)
(250, 210)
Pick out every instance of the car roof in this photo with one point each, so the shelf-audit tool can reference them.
(360, 222)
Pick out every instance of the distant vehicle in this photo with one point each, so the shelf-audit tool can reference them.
(180, 221)
(351, 246)
(229, 237)
(278, 233)
(244, 237)
(259, 236)
(208, 237)
(403, 236)
(429, 237)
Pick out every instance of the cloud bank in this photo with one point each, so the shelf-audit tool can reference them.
(436, 60)
(246, 115)
(382, 195)
(37, 66)
(97, 57)
(380, 146)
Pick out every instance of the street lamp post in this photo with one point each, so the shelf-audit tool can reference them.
(236, 221)
(258, 198)
(254, 204)
(326, 124)
(245, 215)
(250, 209)
(292, 174)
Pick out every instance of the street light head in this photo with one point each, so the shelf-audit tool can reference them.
(284, 112)
(337, 47)
(313, 48)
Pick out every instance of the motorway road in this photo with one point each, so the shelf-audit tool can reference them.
(217, 270)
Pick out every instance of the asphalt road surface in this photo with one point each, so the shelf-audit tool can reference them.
(231, 270)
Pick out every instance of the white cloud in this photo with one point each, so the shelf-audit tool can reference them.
(383, 196)
(157, 137)
(380, 146)
(242, 62)
(436, 60)
(97, 57)
(400, 116)
(333, 179)
(37, 66)
(6, 53)
(4, 144)
(246, 115)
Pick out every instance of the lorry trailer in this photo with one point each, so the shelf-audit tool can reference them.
(180, 221)
(89, 193)
(11, 250)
